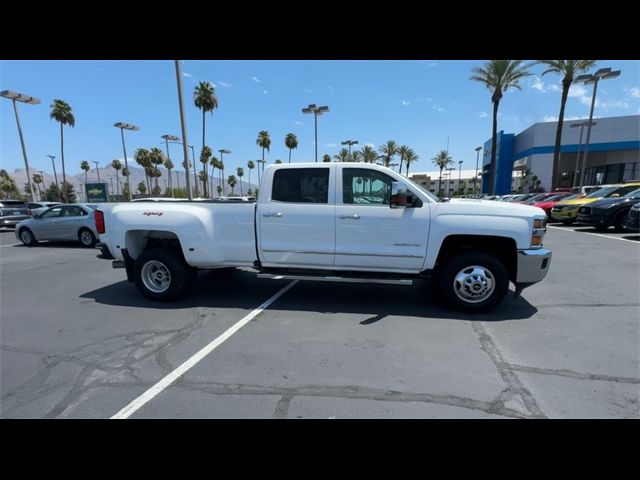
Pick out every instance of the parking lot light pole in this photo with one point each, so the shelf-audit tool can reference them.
(317, 111)
(350, 142)
(97, 168)
(20, 97)
(576, 125)
(183, 126)
(173, 138)
(588, 79)
(475, 179)
(55, 175)
(126, 126)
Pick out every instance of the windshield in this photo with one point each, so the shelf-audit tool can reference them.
(633, 194)
(608, 191)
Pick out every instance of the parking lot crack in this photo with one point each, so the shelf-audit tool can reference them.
(506, 371)
(576, 375)
(282, 408)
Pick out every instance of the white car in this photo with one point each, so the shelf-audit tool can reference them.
(348, 222)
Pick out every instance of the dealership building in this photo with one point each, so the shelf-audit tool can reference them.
(613, 156)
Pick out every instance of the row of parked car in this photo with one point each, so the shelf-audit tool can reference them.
(602, 206)
(37, 221)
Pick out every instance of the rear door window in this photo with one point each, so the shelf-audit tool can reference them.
(301, 185)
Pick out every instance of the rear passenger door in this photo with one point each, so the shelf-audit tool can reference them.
(70, 221)
(297, 224)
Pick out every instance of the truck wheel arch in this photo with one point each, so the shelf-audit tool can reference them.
(138, 241)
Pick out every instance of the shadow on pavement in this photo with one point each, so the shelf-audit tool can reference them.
(55, 244)
(241, 289)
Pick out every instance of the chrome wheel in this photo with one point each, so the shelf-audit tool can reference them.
(155, 276)
(86, 237)
(26, 237)
(474, 284)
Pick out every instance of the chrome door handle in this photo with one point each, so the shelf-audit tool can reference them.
(353, 216)
(272, 214)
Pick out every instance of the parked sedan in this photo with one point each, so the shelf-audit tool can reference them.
(63, 222)
(633, 219)
(13, 212)
(609, 211)
(547, 203)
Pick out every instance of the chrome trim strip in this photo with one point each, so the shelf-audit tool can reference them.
(309, 252)
(386, 281)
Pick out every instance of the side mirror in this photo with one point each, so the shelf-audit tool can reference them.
(401, 197)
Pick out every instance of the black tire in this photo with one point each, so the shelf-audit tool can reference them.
(464, 261)
(618, 222)
(180, 274)
(29, 239)
(87, 238)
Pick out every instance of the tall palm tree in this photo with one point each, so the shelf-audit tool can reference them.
(37, 179)
(141, 156)
(250, 166)
(342, 156)
(117, 166)
(7, 184)
(84, 165)
(142, 188)
(214, 164)
(240, 173)
(232, 182)
(410, 157)
(498, 76)
(367, 154)
(264, 142)
(204, 98)
(442, 160)
(402, 151)
(61, 112)
(326, 157)
(388, 151)
(205, 155)
(168, 164)
(221, 168)
(569, 69)
(291, 142)
(278, 162)
(219, 188)
(156, 157)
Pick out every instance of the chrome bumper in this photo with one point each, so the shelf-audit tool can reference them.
(533, 265)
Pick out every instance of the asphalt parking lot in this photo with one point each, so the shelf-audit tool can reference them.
(78, 341)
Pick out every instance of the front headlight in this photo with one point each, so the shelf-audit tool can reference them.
(539, 229)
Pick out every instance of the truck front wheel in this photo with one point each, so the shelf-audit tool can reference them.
(161, 274)
(473, 282)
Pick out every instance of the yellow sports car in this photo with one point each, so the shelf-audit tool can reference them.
(567, 210)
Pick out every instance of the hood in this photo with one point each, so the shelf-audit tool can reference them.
(577, 201)
(605, 202)
(487, 207)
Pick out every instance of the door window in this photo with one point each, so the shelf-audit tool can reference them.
(73, 212)
(362, 186)
(301, 185)
(52, 213)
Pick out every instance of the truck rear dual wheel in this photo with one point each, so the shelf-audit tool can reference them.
(473, 282)
(162, 274)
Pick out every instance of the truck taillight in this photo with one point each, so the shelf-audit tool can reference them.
(99, 216)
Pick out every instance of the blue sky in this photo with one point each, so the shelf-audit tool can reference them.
(419, 103)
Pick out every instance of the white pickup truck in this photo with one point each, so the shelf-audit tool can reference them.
(347, 222)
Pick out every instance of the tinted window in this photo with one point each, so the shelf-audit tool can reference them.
(301, 185)
(52, 212)
(73, 212)
(365, 187)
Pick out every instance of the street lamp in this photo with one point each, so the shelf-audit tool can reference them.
(581, 125)
(317, 111)
(20, 97)
(97, 168)
(55, 175)
(126, 126)
(183, 126)
(588, 79)
(459, 173)
(350, 142)
(475, 179)
(168, 137)
(449, 182)
(193, 156)
(222, 152)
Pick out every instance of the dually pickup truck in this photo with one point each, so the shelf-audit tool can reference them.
(341, 222)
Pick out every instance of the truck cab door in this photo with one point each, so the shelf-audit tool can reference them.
(296, 225)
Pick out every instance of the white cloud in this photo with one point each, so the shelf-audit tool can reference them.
(635, 92)
(614, 104)
(555, 88)
(554, 118)
(538, 84)
(265, 91)
(331, 90)
(187, 74)
(224, 84)
(330, 145)
(405, 103)
(256, 79)
(298, 122)
(483, 115)
(306, 90)
(439, 109)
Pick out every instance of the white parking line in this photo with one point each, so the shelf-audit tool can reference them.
(14, 245)
(130, 409)
(564, 229)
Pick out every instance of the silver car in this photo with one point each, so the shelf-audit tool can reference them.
(73, 222)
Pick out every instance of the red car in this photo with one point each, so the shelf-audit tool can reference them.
(548, 202)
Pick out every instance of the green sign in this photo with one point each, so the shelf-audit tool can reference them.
(96, 192)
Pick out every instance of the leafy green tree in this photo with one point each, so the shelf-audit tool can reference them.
(232, 182)
(367, 154)
(168, 164)
(498, 76)
(240, 173)
(251, 166)
(142, 158)
(291, 142)
(264, 142)
(117, 166)
(205, 99)
(388, 151)
(37, 179)
(205, 155)
(62, 112)
(342, 156)
(402, 152)
(156, 157)
(569, 69)
(326, 158)
(52, 194)
(409, 158)
(142, 188)
(8, 185)
(442, 160)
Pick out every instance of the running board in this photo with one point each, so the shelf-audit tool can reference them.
(318, 278)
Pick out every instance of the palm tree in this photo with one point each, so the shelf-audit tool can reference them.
(410, 157)
(388, 151)
(291, 142)
(263, 141)
(498, 76)
(326, 158)
(402, 151)
(204, 97)
(142, 188)
(342, 156)
(232, 182)
(156, 157)
(141, 156)
(221, 168)
(442, 160)
(205, 155)
(37, 179)
(250, 166)
(84, 165)
(368, 154)
(117, 166)
(8, 185)
(569, 69)
(168, 164)
(240, 172)
(278, 162)
(214, 164)
(61, 112)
